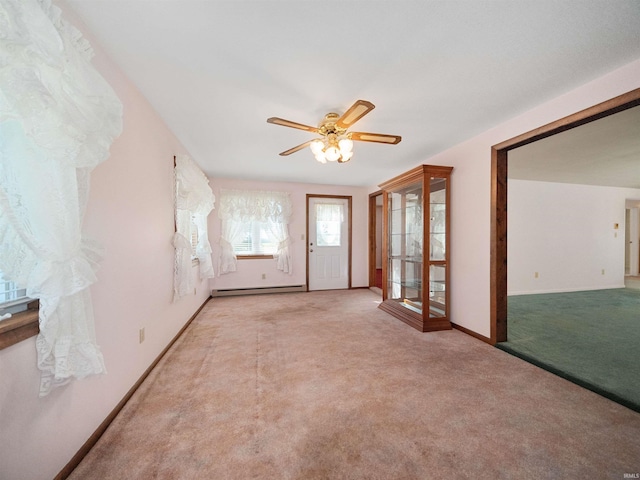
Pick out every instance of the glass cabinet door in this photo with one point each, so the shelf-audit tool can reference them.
(437, 246)
(416, 266)
(405, 247)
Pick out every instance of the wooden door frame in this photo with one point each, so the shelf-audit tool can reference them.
(498, 260)
(372, 236)
(349, 200)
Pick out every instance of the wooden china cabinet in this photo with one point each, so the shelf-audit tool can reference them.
(415, 269)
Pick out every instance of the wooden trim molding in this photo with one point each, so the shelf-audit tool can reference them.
(20, 326)
(349, 200)
(609, 107)
(498, 245)
(93, 439)
(372, 236)
(254, 257)
(471, 333)
(499, 167)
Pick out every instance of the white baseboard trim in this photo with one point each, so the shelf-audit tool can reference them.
(257, 291)
(564, 290)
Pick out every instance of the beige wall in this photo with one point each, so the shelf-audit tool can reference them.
(249, 273)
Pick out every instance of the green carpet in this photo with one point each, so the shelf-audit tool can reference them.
(591, 338)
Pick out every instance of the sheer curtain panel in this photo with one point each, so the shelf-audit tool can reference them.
(58, 118)
(237, 207)
(194, 202)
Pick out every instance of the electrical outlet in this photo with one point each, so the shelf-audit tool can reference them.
(603, 271)
(141, 333)
(264, 276)
(535, 275)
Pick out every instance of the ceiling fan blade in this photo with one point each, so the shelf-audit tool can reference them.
(375, 137)
(289, 123)
(355, 113)
(295, 149)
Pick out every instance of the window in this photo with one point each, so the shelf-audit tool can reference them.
(254, 223)
(11, 296)
(20, 314)
(329, 218)
(194, 200)
(255, 239)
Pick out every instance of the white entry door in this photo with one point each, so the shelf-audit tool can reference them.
(328, 243)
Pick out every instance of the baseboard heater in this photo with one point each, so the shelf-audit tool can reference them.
(257, 291)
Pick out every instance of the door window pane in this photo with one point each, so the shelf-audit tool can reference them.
(329, 219)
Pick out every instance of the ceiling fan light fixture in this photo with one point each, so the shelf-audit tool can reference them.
(336, 142)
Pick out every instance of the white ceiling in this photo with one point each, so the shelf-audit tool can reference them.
(605, 152)
(438, 72)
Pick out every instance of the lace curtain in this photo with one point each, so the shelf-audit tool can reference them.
(194, 202)
(240, 206)
(58, 118)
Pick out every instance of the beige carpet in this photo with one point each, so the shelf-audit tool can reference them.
(323, 385)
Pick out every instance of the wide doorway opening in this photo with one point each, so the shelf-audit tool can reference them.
(562, 274)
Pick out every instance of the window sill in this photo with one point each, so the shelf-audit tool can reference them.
(254, 257)
(20, 326)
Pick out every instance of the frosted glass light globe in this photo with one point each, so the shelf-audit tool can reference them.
(346, 156)
(346, 145)
(332, 154)
(316, 146)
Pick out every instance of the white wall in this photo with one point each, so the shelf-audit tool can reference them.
(566, 233)
(249, 273)
(130, 212)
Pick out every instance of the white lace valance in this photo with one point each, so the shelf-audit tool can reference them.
(192, 187)
(254, 205)
(239, 207)
(329, 212)
(58, 118)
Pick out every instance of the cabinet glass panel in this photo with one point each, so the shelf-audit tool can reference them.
(438, 219)
(405, 247)
(437, 290)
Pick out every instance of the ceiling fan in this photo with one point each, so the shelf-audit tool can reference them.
(336, 142)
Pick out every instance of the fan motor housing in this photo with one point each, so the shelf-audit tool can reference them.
(328, 125)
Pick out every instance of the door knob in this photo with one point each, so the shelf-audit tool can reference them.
(311, 250)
